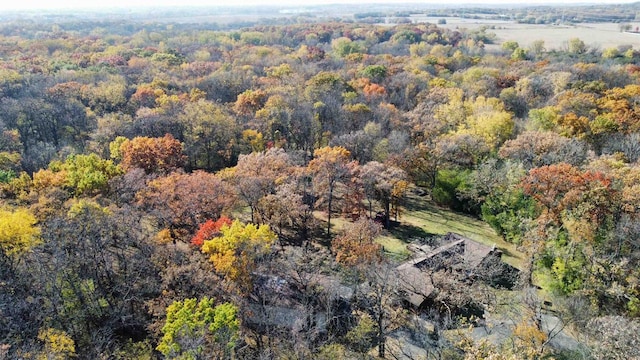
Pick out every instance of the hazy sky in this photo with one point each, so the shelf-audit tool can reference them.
(84, 4)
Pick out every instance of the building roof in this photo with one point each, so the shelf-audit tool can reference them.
(332, 285)
(415, 282)
(414, 273)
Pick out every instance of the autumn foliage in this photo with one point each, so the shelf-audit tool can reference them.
(356, 247)
(181, 202)
(330, 167)
(561, 186)
(303, 129)
(209, 229)
(159, 155)
(236, 251)
(18, 231)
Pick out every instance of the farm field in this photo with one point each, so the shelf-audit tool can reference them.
(595, 35)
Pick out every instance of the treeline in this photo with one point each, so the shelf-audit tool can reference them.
(159, 185)
(563, 14)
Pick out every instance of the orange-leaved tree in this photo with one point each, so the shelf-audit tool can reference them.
(560, 189)
(257, 175)
(385, 183)
(160, 155)
(356, 245)
(180, 202)
(579, 208)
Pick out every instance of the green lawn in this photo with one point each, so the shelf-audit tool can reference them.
(422, 218)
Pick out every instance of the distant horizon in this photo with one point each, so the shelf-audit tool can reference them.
(35, 5)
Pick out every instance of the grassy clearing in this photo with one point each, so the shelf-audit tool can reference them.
(394, 246)
(422, 219)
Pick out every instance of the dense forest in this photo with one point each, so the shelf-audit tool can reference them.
(175, 190)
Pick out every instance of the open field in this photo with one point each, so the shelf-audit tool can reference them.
(599, 36)
(555, 37)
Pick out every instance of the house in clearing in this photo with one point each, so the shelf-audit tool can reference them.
(458, 253)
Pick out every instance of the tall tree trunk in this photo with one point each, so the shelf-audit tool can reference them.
(529, 270)
(329, 201)
(387, 213)
(382, 340)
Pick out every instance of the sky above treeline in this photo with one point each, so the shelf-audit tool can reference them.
(95, 4)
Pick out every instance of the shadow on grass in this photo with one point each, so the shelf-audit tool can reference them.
(507, 252)
(407, 233)
(442, 220)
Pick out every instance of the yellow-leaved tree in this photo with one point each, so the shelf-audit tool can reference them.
(487, 119)
(18, 231)
(237, 250)
(57, 345)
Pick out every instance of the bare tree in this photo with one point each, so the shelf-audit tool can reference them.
(379, 297)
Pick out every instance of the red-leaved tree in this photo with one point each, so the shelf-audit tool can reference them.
(209, 230)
